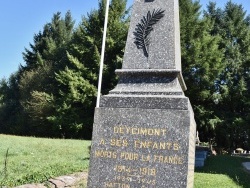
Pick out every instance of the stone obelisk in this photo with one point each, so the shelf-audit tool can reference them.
(144, 129)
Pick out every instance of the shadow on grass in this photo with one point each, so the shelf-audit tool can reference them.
(230, 166)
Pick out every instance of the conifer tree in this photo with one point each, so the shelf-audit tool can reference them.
(37, 82)
(201, 62)
(78, 81)
(232, 25)
(10, 107)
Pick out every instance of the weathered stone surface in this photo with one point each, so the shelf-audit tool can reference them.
(141, 101)
(149, 82)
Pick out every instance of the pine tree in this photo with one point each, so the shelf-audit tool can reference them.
(201, 62)
(37, 82)
(233, 109)
(87, 41)
(10, 107)
(49, 45)
(78, 81)
(76, 96)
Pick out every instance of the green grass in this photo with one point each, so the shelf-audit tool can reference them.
(34, 160)
(223, 172)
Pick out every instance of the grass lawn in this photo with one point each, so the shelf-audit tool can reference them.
(34, 160)
(223, 172)
(37, 159)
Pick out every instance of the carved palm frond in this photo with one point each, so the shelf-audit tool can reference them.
(144, 28)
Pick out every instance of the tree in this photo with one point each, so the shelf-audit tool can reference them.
(232, 25)
(201, 62)
(50, 44)
(37, 82)
(10, 107)
(56, 89)
(90, 37)
(37, 100)
(76, 97)
(78, 81)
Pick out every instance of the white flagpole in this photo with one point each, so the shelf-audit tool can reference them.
(102, 55)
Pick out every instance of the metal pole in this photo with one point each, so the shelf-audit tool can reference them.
(102, 54)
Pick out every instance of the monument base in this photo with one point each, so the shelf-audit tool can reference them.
(141, 146)
(144, 130)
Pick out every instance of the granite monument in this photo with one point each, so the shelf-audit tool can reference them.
(144, 130)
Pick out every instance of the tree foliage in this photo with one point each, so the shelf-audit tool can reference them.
(77, 82)
(202, 63)
(54, 94)
(57, 87)
(233, 86)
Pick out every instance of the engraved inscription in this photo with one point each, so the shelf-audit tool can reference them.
(139, 131)
(142, 175)
(105, 154)
(116, 185)
(168, 159)
(156, 145)
(149, 139)
(119, 143)
(133, 156)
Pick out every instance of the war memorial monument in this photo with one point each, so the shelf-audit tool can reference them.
(144, 129)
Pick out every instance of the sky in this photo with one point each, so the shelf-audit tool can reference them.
(21, 19)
